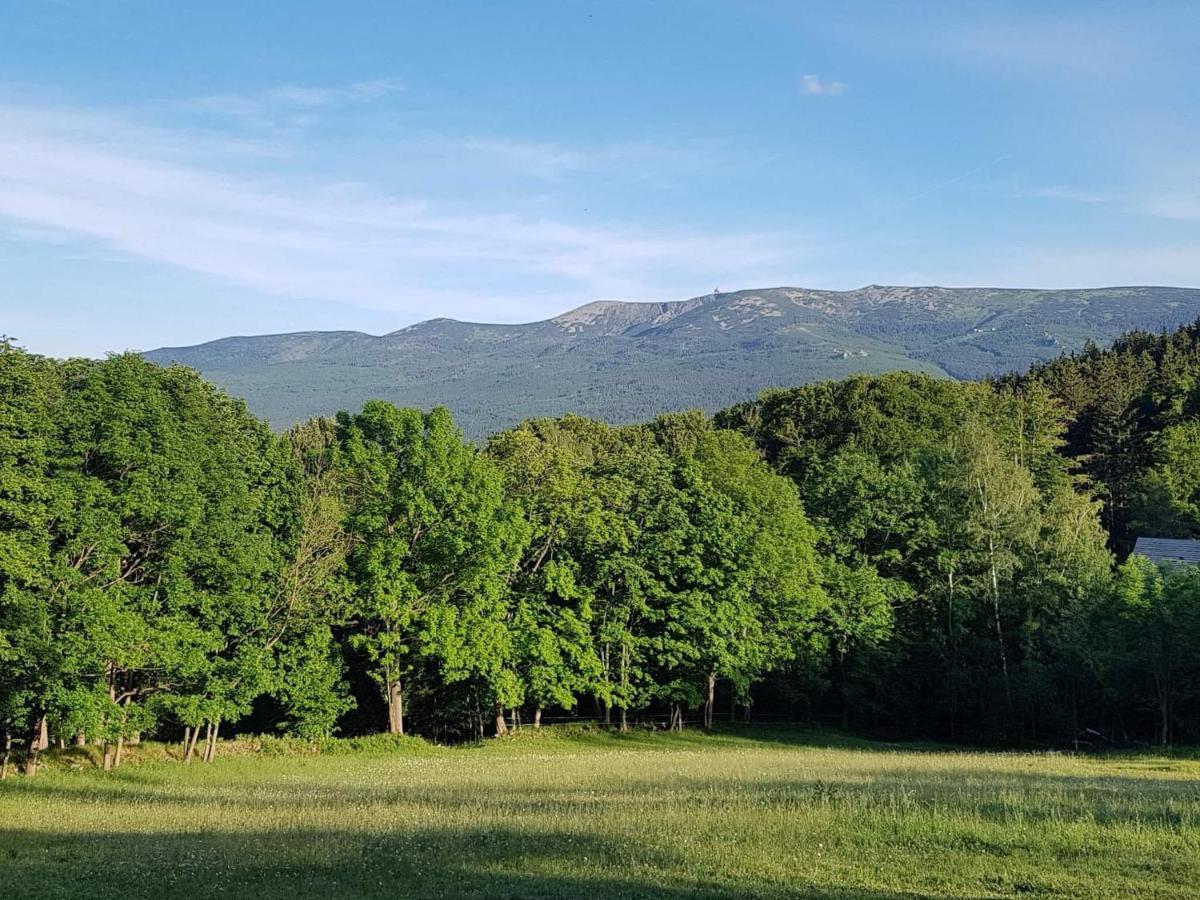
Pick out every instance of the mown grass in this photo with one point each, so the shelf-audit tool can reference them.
(566, 814)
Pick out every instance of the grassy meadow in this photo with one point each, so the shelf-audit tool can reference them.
(756, 813)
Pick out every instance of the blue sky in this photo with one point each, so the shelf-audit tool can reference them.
(172, 173)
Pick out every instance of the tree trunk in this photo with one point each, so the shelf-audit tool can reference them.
(952, 651)
(120, 749)
(187, 738)
(207, 741)
(999, 628)
(395, 703)
(607, 669)
(710, 701)
(210, 749)
(35, 745)
(80, 739)
(501, 725)
(191, 747)
(950, 606)
(44, 735)
(624, 685)
(1165, 716)
(7, 754)
(537, 718)
(108, 756)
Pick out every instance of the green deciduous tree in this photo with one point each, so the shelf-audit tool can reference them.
(746, 589)
(30, 394)
(549, 470)
(435, 542)
(1152, 642)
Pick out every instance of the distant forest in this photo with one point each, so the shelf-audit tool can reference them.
(896, 554)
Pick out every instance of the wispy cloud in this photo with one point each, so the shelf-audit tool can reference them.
(544, 159)
(639, 161)
(1182, 205)
(1032, 45)
(1154, 193)
(291, 104)
(1073, 195)
(342, 241)
(325, 96)
(813, 86)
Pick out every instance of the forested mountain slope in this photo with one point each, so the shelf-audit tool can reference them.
(628, 361)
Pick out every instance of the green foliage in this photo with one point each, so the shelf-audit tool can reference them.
(1168, 503)
(745, 572)
(169, 514)
(956, 542)
(434, 536)
(1147, 639)
(551, 470)
(30, 394)
(1131, 408)
(311, 684)
(905, 553)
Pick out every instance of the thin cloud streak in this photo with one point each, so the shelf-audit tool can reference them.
(813, 86)
(553, 161)
(1034, 46)
(291, 106)
(342, 242)
(1073, 195)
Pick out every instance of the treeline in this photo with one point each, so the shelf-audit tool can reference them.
(167, 563)
(1133, 428)
(905, 555)
(972, 586)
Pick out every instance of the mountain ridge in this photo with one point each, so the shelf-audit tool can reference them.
(625, 360)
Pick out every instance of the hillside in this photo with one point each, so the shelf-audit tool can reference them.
(628, 361)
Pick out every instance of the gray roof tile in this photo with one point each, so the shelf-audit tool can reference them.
(1168, 550)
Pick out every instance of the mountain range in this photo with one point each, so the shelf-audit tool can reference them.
(628, 361)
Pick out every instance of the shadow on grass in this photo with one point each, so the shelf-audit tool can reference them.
(553, 852)
(423, 863)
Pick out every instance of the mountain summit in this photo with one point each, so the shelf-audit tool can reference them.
(627, 361)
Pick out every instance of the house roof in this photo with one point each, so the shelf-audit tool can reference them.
(1169, 550)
